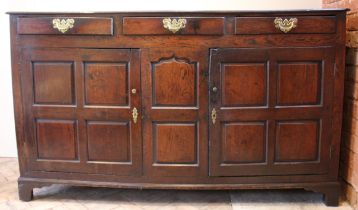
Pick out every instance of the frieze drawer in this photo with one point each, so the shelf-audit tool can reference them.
(285, 24)
(65, 25)
(173, 25)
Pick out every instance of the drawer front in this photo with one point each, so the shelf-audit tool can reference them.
(277, 25)
(168, 25)
(65, 25)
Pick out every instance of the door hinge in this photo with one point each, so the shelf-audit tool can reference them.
(206, 73)
(335, 69)
(330, 152)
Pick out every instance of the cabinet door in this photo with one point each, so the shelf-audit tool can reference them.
(175, 109)
(78, 105)
(273, 111)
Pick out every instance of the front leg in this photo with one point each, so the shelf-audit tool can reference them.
(25, 191)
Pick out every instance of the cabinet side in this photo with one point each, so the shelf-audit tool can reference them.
(17, 95)
(339, 73)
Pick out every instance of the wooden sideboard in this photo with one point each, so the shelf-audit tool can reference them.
(184, 100)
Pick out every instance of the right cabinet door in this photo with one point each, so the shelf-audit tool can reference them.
(270, 111)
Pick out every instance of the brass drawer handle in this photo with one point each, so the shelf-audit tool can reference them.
(135, 115)
(213, 115)
(285, 25)
(174, 25)
(63, 25)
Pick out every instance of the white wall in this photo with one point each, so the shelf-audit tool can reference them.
(7, 126)
(7, 131)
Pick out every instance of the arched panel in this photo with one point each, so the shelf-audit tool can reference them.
(174, 83)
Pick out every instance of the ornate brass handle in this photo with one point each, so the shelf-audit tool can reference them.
(213, 115)
(174, 25)
(285, 25)
(135, 115)
(63, 25)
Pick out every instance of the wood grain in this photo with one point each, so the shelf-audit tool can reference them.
(274, 90)
(244, 84)
(53, 83)
(265, 25)
(82, 26)
(175, 83)
(175, 143)
(56, 139)
(297, 141)
(108, 141)
(106, 84)
(154, 26)
(299, 83)
(244, 142)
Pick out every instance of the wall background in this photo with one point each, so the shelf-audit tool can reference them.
(349, 147)
(7, 127)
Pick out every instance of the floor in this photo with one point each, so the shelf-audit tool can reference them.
(60, 197)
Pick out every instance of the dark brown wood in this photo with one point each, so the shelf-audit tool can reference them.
(177, 121)
(277, 122)
(306, 76)
(244, 143)
(282, 124)
(297, 141)
(331, 192)
(175, 143)
(25, 191)
(60, 139)
(174, 83)
(154, 26)
(82, 25)
(305, 24)
(56, 139)
(53, 83)
(108, 141)
(106, 84)
(237, 79)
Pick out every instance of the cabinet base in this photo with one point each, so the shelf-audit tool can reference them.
(330, 190)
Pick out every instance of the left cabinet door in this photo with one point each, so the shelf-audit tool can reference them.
(82, 110)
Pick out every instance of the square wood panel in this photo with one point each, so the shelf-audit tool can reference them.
(175, 143)
(56, 139)
(297, 141)
(243, 84)
(299, 83)
(174, 83)
(108, 141)
(106, 84)
(53, 83)
(243, 142)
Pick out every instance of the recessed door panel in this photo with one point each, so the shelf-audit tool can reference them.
(109, 141)
(243, 142)
(56, 139)
(106, 83)
(175, 143)
(297, 141)
(269, 113)
(243, 84)
(53, 82)
(174, 83)
(299, 83)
